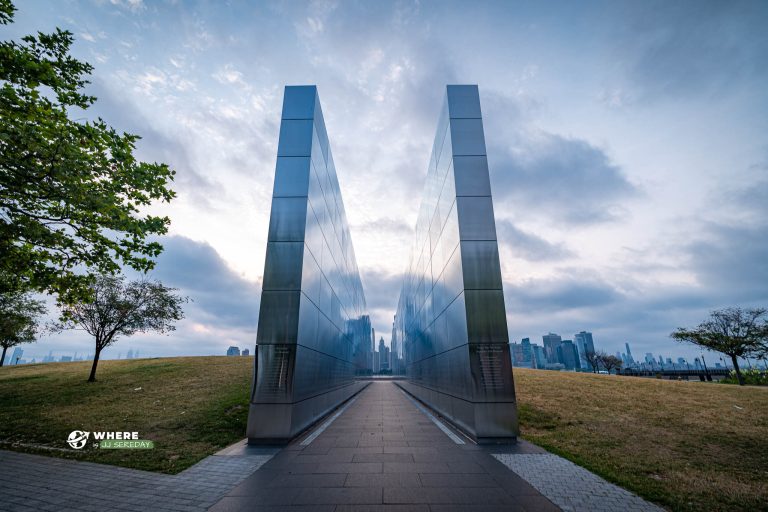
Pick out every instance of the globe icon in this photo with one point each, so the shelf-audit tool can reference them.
(77, 439)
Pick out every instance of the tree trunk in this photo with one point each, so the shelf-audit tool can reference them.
(92, 378)
(2, 359)
(738, 371)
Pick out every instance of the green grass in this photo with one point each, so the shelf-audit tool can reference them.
(684, 445)
(190, 407)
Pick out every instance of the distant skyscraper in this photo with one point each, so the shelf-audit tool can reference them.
(129, 355)
(233, 351)
(630, 359)
(245, 352)
(383, 356)
(539, 357)
(584, 344)
(566, 354)
(17, 353)
(516, 354)
(551, 341)
(649, 358)
(525, 345)
(65, 359)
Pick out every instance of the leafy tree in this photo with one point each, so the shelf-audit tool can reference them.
(120, 308)
(19, 313)
(735, 332)
(593, 360)
(71, 192)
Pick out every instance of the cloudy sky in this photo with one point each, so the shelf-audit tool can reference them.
(626, 142)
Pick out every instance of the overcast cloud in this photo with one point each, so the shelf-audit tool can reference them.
(626, 143)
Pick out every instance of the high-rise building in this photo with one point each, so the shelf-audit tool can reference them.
(17, 353)
(450, 315)
(516, 353)
(233, 351)
(584, 344)
(525, 343)
(245, 352)
(539, 357)
(630, 360)
(384, 361)
(551, 341)
(567, 355)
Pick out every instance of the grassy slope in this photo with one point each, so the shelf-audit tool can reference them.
(687, 446)
(683, 445)
(190, 407)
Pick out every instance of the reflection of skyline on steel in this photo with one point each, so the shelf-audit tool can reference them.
(451, 320)
(312, 319)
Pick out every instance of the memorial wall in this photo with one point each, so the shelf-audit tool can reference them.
(451, 319)
(312, 319)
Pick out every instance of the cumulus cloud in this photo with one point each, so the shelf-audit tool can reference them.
(528, 245)
(672, 50)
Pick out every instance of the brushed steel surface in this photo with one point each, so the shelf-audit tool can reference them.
(314, 333)
(450, 316)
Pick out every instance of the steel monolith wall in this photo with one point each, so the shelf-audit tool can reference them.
(451, 317)
(312, 316)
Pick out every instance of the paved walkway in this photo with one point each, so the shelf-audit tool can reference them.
(384, 454)
(571, 487)
(35, 483)
(381, 451)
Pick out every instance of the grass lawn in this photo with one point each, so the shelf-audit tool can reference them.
(683, 445)
(190, 407)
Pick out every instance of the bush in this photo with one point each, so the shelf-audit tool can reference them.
(752, 377)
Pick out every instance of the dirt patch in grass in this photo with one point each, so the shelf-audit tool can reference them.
(684, 445)
(190, 407)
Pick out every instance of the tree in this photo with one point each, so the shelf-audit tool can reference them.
(735, 332)
(19, 312)
(120, 308)
(71, 191)
(609, 362)
(593, 359)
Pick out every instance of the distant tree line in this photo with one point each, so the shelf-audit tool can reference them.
(600, 360)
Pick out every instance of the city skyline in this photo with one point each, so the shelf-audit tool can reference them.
(626, 164)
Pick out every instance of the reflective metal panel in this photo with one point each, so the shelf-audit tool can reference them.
(450, 314)
(287, 219)
(486, 318)
(467, 137)
(313, 339)
(463, 101)
(480, 262)
(295, 138)
(278, 317)
(299, 102)
(291, 176)
(471, 174)
(283, 267)
(476, 218)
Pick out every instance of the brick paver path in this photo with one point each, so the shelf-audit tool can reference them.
(383, 454)
(35, 483)
(571, 487)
